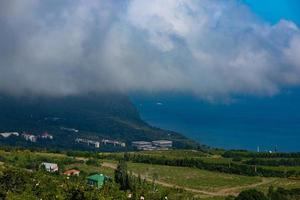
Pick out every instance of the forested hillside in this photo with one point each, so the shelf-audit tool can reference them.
(95, 116)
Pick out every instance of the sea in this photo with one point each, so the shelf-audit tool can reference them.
(245, 122)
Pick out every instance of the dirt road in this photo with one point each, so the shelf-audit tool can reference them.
(222, 192)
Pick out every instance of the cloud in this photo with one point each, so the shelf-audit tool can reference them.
(209, 48)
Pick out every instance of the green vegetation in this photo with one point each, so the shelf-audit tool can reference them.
(213, 162)
(278, 194)
(88, 169)
(21, 177)
(251, 195)
(191, 177)
(153, 174)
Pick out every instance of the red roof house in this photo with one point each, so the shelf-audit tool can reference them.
(72, 172)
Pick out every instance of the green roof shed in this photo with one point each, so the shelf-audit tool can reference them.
(97, 180)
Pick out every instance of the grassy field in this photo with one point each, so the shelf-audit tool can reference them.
(192, 178)
(176, 153)
(216, 160)
(280, 182)
(283, 168)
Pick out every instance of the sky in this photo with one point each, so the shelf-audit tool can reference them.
(274, 10)
(210, 48)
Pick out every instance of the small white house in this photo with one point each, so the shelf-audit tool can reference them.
(29, 137)
(47, 136)
(7, 135)
(50, 167)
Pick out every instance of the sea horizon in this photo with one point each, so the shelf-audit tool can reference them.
(264, 124)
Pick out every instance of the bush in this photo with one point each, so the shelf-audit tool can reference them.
(251, 195)
(93, 162)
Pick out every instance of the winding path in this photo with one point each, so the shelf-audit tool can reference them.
(221, 192)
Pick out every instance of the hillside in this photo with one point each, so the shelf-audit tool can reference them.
(95, 116)
(22, 177)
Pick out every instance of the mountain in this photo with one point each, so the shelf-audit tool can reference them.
(95, 116)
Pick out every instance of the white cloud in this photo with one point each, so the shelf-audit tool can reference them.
(209, 48)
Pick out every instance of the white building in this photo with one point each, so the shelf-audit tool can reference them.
(142, 145)
(154, 145)
(94, 143)
(123, 144)
(113, 142)
(8, 134)
(162, 144)
(29, 137)
(47, 136)
(50, 167)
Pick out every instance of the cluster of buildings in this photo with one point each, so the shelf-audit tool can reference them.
(96, 143)
(28, 136)
(113, 142)
(33, 138)
(154, 145)
(96, 180)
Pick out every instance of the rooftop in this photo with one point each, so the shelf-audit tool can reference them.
(162, 141)
(48, 165)
(71, 171)
(97, 177)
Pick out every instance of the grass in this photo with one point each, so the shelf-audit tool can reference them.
(213, 198)
(282, 168)
(216, 160)
(51, 155)
(206, 180)
(176, 153)
(192, 178)
(280, 182)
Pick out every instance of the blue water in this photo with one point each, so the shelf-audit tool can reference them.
(247, 123)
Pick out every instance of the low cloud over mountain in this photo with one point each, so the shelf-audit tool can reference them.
(208, 48)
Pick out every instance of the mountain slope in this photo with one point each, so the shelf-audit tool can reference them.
(96, 116)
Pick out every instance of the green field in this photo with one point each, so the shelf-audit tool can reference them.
(192, 178)
(175, 153)
(280, 182)
(283, 168)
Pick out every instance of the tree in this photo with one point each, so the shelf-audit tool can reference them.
(251, 195)
(121, 175)
(270, 192)
(23, 196)
(14, 180)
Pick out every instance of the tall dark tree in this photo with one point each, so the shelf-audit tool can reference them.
(121, 175)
